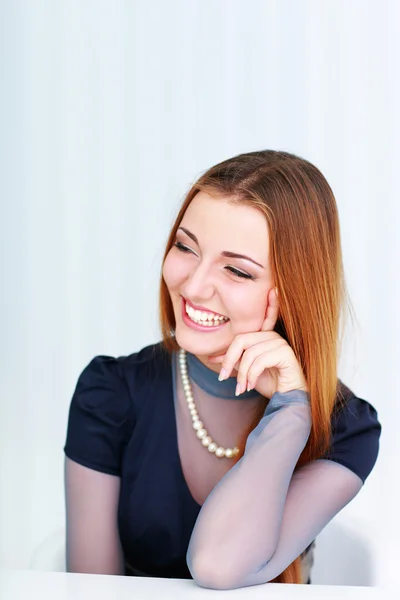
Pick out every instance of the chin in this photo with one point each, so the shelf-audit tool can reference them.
(196, 343)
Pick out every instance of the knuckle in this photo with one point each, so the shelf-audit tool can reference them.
(248, 354)
(238, 341)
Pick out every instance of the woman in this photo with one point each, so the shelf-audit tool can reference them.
(222, 451)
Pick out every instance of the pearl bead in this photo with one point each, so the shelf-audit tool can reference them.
(201, 433)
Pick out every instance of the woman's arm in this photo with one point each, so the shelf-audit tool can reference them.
(93, 544)
(260, 516)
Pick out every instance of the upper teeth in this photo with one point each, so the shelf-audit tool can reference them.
(199, 315)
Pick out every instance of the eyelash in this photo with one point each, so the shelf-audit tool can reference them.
(240, 274)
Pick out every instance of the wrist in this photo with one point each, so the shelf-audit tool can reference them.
(298, 395)
(301, 387)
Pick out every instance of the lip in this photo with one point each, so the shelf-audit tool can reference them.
(196, 326)
(203, 308)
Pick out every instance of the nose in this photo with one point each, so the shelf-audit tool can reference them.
(199, 285)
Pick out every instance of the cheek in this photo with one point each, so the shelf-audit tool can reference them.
(247, 309)
(173, 270)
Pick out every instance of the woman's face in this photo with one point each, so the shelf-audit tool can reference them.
(201, 273)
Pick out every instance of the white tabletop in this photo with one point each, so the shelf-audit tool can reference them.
(42, 585)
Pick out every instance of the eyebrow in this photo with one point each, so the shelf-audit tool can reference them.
(225, 253)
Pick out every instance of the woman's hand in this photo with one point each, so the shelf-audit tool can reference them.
(263, 359)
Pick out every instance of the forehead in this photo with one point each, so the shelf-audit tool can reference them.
(220, 225)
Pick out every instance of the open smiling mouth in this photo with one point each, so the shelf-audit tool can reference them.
(201, 320)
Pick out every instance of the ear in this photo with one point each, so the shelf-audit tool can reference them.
(271, 313)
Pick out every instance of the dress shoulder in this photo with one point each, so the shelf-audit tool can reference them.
(356, 432)
(101, 416)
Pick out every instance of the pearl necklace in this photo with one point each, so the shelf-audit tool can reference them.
(201, 433)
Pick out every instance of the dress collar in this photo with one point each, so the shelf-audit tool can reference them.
(207, 380)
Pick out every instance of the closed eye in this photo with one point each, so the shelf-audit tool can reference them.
(183, 248)
(236, 272)
(240, 273)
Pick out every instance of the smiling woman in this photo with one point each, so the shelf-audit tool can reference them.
(222, 451)
(214, 263)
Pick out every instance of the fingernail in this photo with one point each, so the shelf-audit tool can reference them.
(222, 375)
(249, 386)
(238, 389)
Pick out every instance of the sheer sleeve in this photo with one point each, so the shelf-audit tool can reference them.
(261, 516)
(93, 544)
(100, 418)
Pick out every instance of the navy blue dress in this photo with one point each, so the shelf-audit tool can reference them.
(122, 422)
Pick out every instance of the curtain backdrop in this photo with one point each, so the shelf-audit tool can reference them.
(109, 110)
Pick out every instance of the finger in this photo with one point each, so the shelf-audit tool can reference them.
(233, 355)
(219, 359)
(231, 371)
(239, 345)
(246, 375)
(271, 316)
(246, 361)
(272, 358)
(216, 359)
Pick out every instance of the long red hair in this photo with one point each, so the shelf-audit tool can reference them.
(307, 267)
